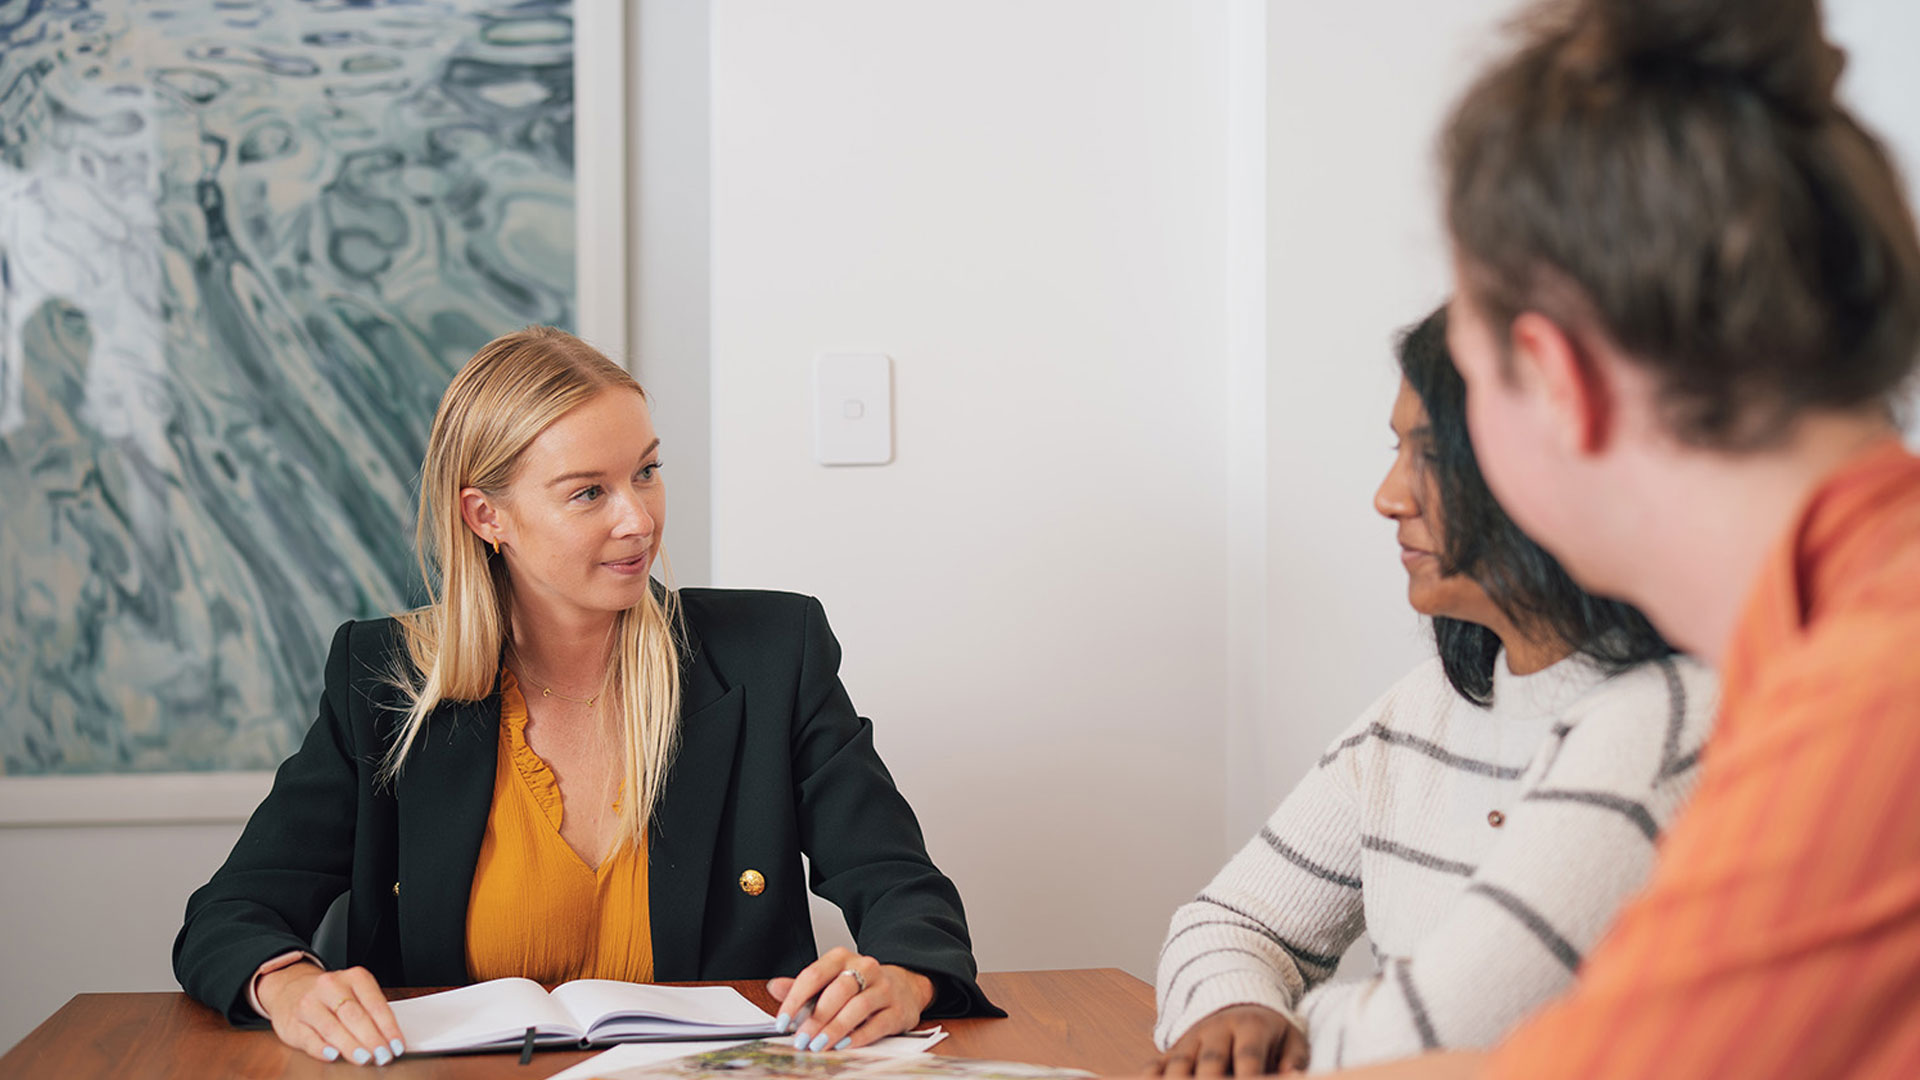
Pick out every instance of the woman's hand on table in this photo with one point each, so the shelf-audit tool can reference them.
(860, 1000)
(331, 1015)
(1239, 1040)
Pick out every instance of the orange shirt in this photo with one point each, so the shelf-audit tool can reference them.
(1780, 935)
(537, 910)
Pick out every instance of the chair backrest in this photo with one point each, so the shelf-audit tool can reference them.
(330, 937)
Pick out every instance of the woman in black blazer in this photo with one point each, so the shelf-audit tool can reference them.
(757, 758)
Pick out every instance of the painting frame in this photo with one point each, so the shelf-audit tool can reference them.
(602, 90)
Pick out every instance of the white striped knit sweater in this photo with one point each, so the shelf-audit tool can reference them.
(1474, 925)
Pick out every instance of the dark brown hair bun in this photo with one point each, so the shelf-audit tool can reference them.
(1677, 176)
(1774, 47)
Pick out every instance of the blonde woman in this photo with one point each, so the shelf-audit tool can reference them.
(558, 769)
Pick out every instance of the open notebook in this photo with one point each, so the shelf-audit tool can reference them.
(495, 1015)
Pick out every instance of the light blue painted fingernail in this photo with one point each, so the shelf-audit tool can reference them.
(398, 1047)
(819, 1042)
(382, 1055)
(330, 1054)
(780, 1023)
(360, 1055)
(843, 1043)
(800, 1041)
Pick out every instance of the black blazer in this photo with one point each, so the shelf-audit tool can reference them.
(773, 763)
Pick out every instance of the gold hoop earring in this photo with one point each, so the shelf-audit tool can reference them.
(496, 545)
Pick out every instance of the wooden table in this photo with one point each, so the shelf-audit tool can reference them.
(1097, 1019)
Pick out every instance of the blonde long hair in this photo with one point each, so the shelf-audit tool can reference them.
(511, 391)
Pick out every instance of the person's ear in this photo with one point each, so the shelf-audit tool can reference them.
(1576, 393)
(482, 516)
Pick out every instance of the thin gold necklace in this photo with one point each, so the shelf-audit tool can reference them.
(548, 691)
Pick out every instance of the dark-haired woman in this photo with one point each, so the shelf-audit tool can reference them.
(1481, 822)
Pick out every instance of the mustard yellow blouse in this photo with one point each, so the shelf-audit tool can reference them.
(537, 910)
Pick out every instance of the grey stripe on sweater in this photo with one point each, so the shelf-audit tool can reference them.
(1417, 858)
(1280, 846)
(1423, 746)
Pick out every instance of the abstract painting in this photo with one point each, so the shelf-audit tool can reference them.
(244, 244)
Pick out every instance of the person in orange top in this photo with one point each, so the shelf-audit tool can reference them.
(1688, 293)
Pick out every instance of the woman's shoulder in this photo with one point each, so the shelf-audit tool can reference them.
(365, 641)
(364, 636)
(1655, 714)
(1416, 710)
(756, 621)
(1672, 690)
(734, 612)
(1417, 701)
(367, 653)
(1416, 704)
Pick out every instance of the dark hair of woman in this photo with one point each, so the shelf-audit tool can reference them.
(1479, 540)
(1679, 176)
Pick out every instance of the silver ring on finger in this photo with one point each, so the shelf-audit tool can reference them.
(857, 977)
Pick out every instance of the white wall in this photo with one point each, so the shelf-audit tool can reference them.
(94, 908)
(1881, 83)
(668, 250)
(1356, 93)
(1020, 203)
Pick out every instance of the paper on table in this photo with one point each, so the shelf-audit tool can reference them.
(919, 1041)
(616, 1063)
(609, 1065)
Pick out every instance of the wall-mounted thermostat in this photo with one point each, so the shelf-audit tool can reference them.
(853, 408)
